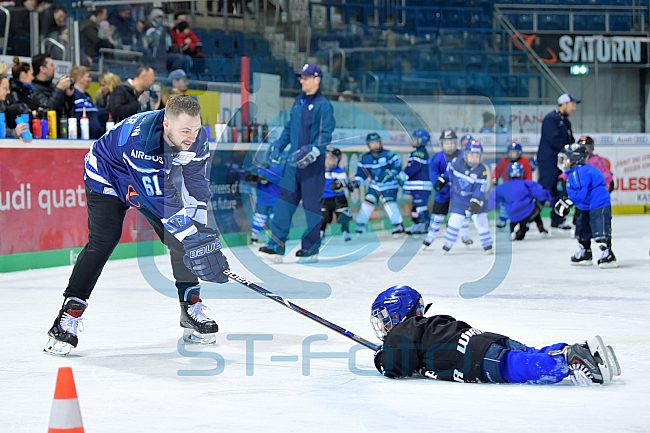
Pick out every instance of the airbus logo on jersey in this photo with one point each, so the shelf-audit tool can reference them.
(139, 154)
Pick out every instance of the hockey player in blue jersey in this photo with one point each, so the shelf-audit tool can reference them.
(588, 192)
(417, 183)
(334, 201)
(441, 347)
(133, 165)
(381, 168)
(467, 177)
(267, 181)
(521, 198)
(437, 166)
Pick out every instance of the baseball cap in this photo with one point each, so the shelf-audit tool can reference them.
(567, 97)
(176, 74)
(310, 70)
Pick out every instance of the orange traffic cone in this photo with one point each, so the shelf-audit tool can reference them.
(65, 416)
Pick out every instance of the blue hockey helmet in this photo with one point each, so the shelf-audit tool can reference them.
(473, 153)
(394, 305)
(420, 138)
(572, 155)
(465, 139)
(448, 142)
(514, 151)
(515, 170)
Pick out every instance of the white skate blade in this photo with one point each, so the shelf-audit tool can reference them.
(308, 259)
(614, 361)
(57, 348)
(583, 263)
(272, 258)
(192, 337)
(609, 265)
(600, 353)
(579, 378)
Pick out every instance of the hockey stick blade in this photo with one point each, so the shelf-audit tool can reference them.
(262, 291)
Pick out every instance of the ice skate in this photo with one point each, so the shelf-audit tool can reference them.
(607, 258)
(63, 333)
(398, 230)
(468, 242)
(446, 249)
(305, 256)
(346, 237)
(361, 229)
(562, 227)
(254, 238)
(417, 229)
(542, 230)
(582, 257)
(591, 362)
(428, 240)
(501, 224)
(489, 250)
(269, 254)
(198, 327)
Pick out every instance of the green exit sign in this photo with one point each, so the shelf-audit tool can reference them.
(579, 70)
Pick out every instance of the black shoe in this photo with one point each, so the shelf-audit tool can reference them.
(63, 333)
(192, 315)
(307, 253)
(272, 254)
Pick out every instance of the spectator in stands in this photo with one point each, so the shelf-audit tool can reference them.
(139, 36)
(107, 83)
(179, 82)
(157, 41)
(11, 111)
(22, 89)
(124, 34)
(89, 33)
(53, 22)
(556, 133)
(59, 96)
(488, 123)
(185, 41)
(124, 100)
(83, 101)
(18, 43)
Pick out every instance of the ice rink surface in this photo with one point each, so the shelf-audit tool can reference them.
(132, 375)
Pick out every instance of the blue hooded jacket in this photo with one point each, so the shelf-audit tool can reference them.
(518, 196)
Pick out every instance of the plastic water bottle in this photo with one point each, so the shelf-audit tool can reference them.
(72, 128)
(44, 128)
(36, 127)
(84, 124)
(109, 123)
(3, 126)
(51, 124)
(63, 126)
(220, 134)
(24, 118)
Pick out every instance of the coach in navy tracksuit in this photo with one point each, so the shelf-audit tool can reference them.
(308, 132)
(556, 132)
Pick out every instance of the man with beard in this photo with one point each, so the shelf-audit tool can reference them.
(134, 165)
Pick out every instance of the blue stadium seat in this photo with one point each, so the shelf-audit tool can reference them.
(553, 22)
(524, 22)
(452, 62)
(475, 41)
(475, 62)
(620, 23)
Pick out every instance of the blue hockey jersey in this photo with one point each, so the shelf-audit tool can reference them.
(330, 177)
(586, 187)
(374, 167)
(133, 162)
(518, 196)
(417, 172)
(268, 190)
(466, 183)
(438, 166)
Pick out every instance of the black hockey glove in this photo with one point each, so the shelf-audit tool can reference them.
(352, 185)
(563, 207)
(251, 178)
(203, 256)
(474, 206)
(611, 186)
(337, 186)
(274, 155)
(440, 183)
(378, 364)
(304, 156)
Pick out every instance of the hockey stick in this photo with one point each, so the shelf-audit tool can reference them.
(262, 291)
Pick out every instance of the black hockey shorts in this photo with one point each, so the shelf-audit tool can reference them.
(441, 208)
(332, 205)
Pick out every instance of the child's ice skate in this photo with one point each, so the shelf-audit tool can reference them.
(270, 254)
(607, 258)
(467, 241)
(582, 257)
(398, 230)
(361, 229)
(417, 229)
(198, 327)
(591, 362)
(346, 237)
(307, 256)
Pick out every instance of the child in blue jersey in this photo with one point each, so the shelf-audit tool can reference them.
(267, 181)
(438, 165)
(334, 201)
(521, 198)
(588, 192)
(417, 183)
(467, 177)
(381, 168)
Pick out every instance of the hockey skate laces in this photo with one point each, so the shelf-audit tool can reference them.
(196, 312)
(70, 323)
